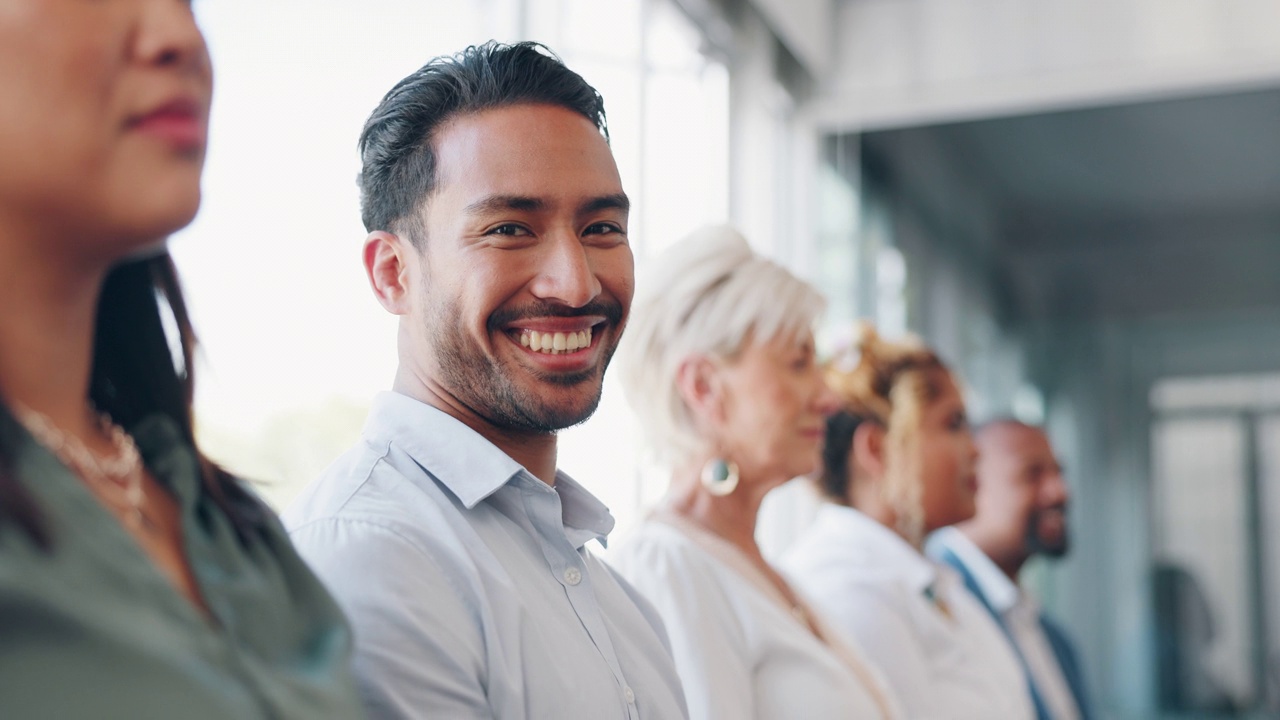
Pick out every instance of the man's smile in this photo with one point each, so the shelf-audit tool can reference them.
(555, 343)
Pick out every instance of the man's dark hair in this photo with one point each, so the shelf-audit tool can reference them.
(398, 162)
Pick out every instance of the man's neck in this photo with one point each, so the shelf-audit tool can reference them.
(1009, 563)
(536, 452)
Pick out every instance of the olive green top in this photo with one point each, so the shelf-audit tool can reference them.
(93, 629)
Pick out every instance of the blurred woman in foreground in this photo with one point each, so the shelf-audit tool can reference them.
(719, 364)
(898, 463)
(137, 580)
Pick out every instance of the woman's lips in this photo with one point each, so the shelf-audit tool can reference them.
(179, 122)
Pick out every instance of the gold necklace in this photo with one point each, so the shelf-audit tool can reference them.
(117, 477)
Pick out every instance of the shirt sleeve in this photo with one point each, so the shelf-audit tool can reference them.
(419, 653)
(706, 636)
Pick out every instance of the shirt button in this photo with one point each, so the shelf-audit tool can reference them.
(629, 695)
(573, 576)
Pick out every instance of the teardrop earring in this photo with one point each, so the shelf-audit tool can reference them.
(720, 476)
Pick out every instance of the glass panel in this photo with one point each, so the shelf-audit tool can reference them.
(1268, 430)
(686, 154)
(293, 345)
(1200, 581)
(604, 30)
(837, 271)
(673, 42)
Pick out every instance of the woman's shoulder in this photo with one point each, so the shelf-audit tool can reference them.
(661, 559)
(660, 548)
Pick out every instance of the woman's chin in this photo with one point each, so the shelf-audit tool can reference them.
(145, 231)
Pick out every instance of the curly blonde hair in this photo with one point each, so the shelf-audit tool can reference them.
(890, 384)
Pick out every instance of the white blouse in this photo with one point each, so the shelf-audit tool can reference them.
(942, 653)
(740, 650)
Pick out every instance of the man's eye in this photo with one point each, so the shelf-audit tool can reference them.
(509, 229)
(602, 228)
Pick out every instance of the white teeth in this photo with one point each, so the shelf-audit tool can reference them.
(555, 343)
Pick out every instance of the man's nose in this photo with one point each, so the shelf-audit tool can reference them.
(565, 273)
(1056, 490)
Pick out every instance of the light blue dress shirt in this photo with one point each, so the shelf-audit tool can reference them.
(469, 584)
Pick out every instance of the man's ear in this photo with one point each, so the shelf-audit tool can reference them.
(387, 262)
(868, 456)
(700, 385)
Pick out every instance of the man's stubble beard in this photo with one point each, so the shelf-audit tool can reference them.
(1036, 546)
(488, 386)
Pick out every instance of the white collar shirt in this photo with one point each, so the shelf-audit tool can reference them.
(469, 585)
(940, 651)
(741, 652)
(1021, 615)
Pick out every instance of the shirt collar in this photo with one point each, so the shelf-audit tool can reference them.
(999, 590)
(467, 464)
(585, 517)
(879, 546)
(473, 468)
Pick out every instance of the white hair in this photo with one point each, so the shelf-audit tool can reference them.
(709, 294)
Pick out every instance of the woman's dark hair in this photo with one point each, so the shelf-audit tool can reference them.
(135, 374)
(398, 162)
(834, 477)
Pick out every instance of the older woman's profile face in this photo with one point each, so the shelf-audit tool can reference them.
(103, 119)
(775, 408)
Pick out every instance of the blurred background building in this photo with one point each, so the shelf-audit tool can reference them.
(1077, 202)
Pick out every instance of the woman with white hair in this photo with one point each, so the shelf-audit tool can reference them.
(719, 364)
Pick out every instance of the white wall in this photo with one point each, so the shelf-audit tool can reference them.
(805, 27)
(910, 62)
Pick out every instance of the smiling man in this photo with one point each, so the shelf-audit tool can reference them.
(1021, 512)
(498, 234)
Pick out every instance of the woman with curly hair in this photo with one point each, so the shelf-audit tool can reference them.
(898, 463)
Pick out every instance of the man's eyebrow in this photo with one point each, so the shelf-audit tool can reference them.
(616, 201)
(498, 203)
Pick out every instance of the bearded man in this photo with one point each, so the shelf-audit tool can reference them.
(498, 234)
(1022, 504)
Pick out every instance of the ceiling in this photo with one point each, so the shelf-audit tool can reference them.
(1158, 207)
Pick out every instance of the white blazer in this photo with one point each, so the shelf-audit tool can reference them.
(742, 652)
(942, 653)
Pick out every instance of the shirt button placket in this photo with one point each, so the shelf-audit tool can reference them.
(572, 575)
